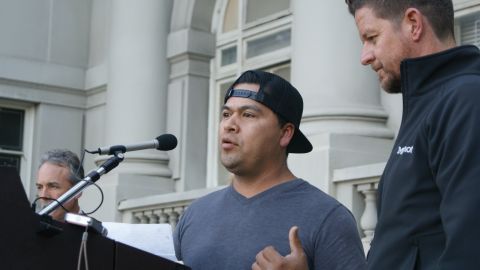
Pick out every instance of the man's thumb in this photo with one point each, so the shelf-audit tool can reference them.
(295, 243)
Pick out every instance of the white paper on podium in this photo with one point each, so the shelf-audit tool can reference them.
(154, 238)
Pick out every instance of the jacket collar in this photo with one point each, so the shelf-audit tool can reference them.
(420, 75)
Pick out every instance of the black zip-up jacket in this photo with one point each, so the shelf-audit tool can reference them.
(429, 193)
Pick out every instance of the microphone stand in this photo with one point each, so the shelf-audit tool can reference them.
(91, 178)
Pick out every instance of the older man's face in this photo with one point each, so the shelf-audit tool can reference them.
(52, 182)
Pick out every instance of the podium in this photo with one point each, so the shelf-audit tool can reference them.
(23, 248)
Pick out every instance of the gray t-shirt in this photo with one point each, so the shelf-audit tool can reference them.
(224, 230)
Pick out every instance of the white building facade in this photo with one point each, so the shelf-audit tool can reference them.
(84, 74)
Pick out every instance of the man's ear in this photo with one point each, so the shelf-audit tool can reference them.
(414, 23)
(287, 134)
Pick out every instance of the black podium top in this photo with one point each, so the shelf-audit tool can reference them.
(22, 247)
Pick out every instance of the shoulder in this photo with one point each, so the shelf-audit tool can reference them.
(457, 102)
(200, 207)
(463, 87)
(330, 232)
(316, 198)
(317, 206)
(324, 203)
(211, 198)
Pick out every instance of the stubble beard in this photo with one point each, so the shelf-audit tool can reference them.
(229, 161)
(392, 84)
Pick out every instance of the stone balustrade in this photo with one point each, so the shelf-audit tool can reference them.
(355, 187)
(165, 208)
(164, 214)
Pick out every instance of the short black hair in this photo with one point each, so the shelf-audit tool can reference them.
(438, 12)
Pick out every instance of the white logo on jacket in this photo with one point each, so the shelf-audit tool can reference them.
(405, 149)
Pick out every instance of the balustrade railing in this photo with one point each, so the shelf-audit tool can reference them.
(355, 187)
(166, 208)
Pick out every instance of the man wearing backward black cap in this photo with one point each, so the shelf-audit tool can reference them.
(267, 218)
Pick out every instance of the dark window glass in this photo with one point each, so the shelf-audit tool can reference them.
(229, 56)
(7, 160)
(268, 43)
(11, 129)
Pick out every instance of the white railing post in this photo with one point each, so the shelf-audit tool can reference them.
(172, 217)
(153, 217)
(368, 220)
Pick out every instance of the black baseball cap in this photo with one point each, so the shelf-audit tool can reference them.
(281, 97)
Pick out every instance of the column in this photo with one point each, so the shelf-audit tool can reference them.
(343, 115)
(136, 100)
(189, 52)
(138, 70)
(340, 94)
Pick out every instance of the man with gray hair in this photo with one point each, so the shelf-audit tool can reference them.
(59, 170)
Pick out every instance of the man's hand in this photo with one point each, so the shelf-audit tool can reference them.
(270, 259)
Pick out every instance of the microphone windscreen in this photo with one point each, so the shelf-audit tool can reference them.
(166, 142)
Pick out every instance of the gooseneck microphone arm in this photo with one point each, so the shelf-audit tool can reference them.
(91, 178)
(163, 142)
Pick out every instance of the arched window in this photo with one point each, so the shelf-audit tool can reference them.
(251, 34)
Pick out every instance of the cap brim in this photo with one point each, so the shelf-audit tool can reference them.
(299, 143)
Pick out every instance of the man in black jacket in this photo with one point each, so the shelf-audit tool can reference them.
(429, 192)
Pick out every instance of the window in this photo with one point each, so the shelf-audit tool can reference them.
(266, 44)
(259, 9)
(230, 20)
(16, 133)
(468, 27)
(252, 34)
(228, 56)
(11, 137)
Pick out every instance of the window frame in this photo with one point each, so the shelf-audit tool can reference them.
(26, 153)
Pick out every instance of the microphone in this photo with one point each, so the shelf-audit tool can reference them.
(163, 142)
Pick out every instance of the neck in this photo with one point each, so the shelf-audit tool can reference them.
(433, 45)
(250, 186)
